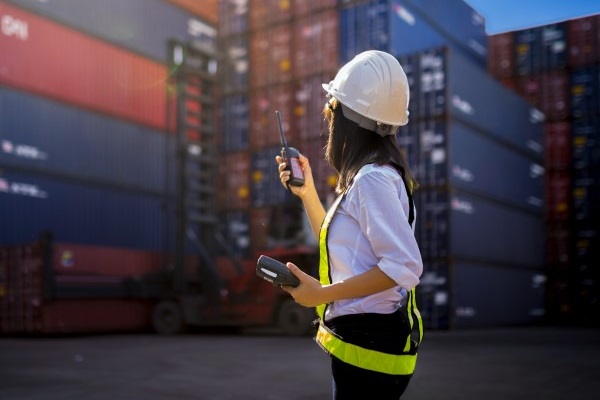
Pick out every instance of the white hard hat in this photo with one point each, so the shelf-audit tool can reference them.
(373, 85)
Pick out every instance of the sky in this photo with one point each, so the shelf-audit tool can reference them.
(511, 15)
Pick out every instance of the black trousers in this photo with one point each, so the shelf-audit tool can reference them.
(382, 332)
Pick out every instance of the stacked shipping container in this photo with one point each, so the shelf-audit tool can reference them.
(85, 152)
(556, 67)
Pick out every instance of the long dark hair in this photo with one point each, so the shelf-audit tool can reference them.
(350, 146)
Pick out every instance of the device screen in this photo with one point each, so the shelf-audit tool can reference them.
(296, 169)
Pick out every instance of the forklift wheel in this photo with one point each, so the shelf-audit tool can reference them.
(294, 319)
(167, 318)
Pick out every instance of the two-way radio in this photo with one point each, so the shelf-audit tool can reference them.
(275, 272)
(291, 158)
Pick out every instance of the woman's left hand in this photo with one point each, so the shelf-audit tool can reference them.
(310, 291)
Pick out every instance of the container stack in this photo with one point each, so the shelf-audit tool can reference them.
(84, 143)
(480, 202)
(556, 68)
(275, 56)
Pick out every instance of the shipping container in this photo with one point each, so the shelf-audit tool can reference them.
(558, 246)
(235, 123)
(308, 122)
(585, 92)
(207, 9)
(450, 85)
(558, 195)
(67, 141)
(364, 26)
(316, 44)
(501, 57)
(584, 41)
(459, 225)
(233, 17)
(586, 143)
(235, 230)
(558, 146)
(235, 68)
(448, 297)
(451, 153)
(233, 191)
(142, 26)
(555, 50)
(269, 12)
(410, 64)
(79, 212)
(303, 7)
(528, 51)
(554, 102)
(324, 176)
(586, 195)
(271, 56)
(266, 188)
(43, 57)
(264, 130)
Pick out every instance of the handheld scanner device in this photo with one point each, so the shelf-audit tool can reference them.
(291, 157)
(275, 272)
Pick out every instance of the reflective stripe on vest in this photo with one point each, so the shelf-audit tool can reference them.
(394, 364)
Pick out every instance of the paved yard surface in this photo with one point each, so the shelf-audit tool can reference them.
(516, 363)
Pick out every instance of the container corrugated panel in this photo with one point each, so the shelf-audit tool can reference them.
(77, 212)
(271, 56)
(530, 89)
(316, 43)
(408, 138)
(452, 85)
(233, 17)
(324, 175)
(457, 21)
(235, 68)
(48, 59)
(528, 51)
(586, 194)
(558, 145)
(558, 195)
(584, 41)
(266, 188)
(410, 65)
(309, 101)
(586, 245)
(480, 165)
(264, 130)
(268, 12)
(235, 228)
(234, 181)
(448, 299)
(476, 306)
(501, 57)
(235, 123)
(206, 9)
(465, 226)
(68, 141)
(585, 92)
(586, 143)
(142, 26)
(555, 95)
(364, 26)
(309, 6)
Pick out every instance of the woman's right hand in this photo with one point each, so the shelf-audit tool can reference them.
(284, 176)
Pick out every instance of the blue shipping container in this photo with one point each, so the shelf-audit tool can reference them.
(235, 228)
(142, 26)
(53, 138)
(467, 227)
(266, 187)
(233, 17)
(364, 27)
(448, 297)
(235, 66)
(235, 123)
(79, 213)
(585, 92)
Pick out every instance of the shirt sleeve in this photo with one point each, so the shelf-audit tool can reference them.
(382, 209)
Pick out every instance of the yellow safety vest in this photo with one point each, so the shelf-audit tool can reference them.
(393, 364)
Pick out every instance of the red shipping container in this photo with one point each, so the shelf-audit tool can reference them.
(264, 131)
(77, 259)
(530, 88)
(271, 56)
(302, 7)
(267, 12)
(316, 43)
(558, 196)
(309, 101)
(234, 181)
(583, 36)
(554, 102)
(558, 145)
(501, 55)
(51, 60)
(558, 239)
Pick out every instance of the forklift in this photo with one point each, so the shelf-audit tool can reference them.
(203, 283)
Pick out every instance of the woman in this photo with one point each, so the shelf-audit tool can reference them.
(369, 259)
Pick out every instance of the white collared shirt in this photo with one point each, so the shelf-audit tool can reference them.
(370, 228)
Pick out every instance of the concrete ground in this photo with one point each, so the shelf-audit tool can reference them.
(515, 363)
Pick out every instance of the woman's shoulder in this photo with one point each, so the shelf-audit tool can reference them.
(373, 170)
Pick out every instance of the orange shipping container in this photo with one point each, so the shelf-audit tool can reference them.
(264, 131)
(316, 43)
